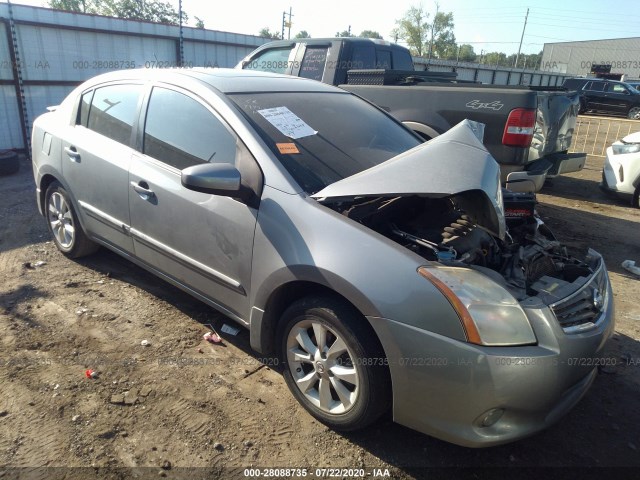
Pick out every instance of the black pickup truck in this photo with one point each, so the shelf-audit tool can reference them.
(528, 130)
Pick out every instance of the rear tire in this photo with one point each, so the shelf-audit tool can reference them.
(634, 113)
(636, 197)
(9, 162)
(333, 363)
(64, 225)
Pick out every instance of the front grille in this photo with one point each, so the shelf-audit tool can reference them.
(585, 306)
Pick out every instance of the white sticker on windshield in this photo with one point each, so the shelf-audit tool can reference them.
(287, 122)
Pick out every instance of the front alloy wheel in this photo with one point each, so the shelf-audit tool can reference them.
(322, 366)
(333, 362)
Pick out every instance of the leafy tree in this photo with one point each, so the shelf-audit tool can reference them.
(466, 53)
(444, 41)
(495, 58)
(370, 34)
(265, 33)
(344, 33)
(199, 22)
(303, 34)
(148, 10)
(81, 6)
(414, 29)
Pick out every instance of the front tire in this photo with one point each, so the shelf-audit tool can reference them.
(64, 225)
(634, 113)
(333, 363)
(636, 197)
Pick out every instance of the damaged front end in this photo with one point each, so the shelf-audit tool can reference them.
(466, 227)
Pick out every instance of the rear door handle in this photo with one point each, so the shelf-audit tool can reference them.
(73, 153)
(142, 189)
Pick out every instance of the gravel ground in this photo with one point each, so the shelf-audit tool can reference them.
(182, 408)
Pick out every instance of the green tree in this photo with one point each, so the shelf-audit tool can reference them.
(344, 33)
(265, 33)
(466, 53)
(495, 58)
(414, 29)
(303, 34)
(199, 22)
(81, 6)
(148, 10)
(370, 34)
(444, 41)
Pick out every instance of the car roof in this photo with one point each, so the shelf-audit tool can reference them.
(225, 80)
(325, 40)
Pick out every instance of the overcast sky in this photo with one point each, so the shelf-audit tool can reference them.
(494, 25)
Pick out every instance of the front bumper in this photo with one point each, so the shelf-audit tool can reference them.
(445, 388)
(611, 183)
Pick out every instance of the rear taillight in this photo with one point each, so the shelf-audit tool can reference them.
(518, 131)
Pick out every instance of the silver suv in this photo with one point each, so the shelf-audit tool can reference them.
(378, 269)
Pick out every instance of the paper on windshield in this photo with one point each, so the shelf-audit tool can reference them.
(287, 122)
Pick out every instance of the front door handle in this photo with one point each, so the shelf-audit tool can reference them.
(142, 189)
(73, 153)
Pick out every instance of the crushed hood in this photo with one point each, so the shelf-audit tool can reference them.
(455, 164)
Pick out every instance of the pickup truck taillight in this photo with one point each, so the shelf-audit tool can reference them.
(518, 130)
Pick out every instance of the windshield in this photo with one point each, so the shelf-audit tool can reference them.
(321, 138)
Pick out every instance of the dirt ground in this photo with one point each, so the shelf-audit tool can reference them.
(182, 408)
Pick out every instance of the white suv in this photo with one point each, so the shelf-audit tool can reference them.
(621, 174)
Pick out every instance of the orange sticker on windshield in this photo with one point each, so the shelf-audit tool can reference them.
(287, 148)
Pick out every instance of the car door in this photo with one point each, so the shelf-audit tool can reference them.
(618, 98)
(595, 96)
(96, 156)
(201, 241)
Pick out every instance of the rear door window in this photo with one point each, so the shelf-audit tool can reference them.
(181, 132)
(594, 86)
(313, 63)
(113, 111)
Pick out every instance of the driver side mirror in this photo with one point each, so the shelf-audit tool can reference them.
(216, 178)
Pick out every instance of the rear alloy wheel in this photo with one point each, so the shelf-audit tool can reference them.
(64, 225)
(333, 363)
(634, 113)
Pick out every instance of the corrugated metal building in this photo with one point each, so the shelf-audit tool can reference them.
(577, 58)
(54, 51)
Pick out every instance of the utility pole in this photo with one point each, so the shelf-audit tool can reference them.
(286, 24)
(521, 38)
(433, 25)
(181, 40)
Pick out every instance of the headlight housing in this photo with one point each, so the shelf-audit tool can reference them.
(489, 314)
(623, 148)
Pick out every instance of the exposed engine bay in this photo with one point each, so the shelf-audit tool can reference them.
(439, 229)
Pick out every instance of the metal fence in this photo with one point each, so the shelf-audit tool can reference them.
(594, 134)
(45, 53)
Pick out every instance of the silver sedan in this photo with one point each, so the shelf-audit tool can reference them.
(379, 269)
